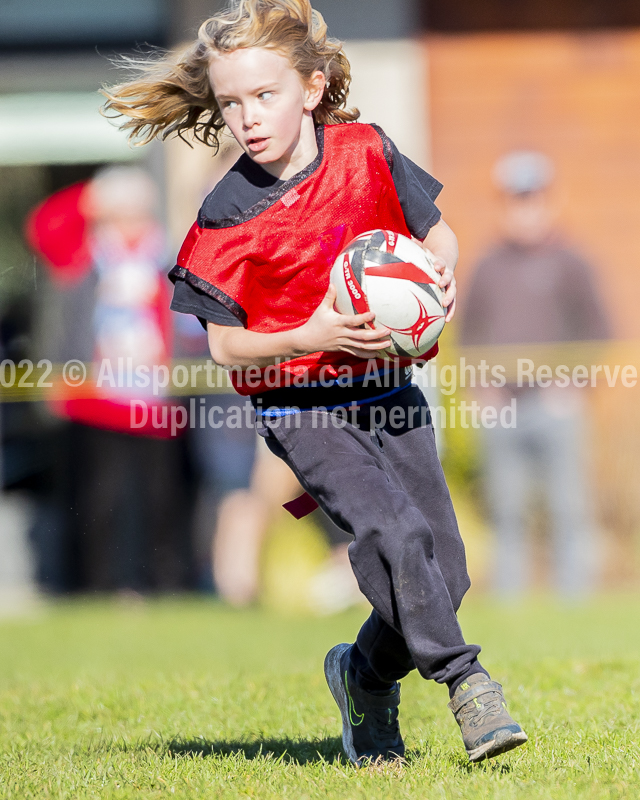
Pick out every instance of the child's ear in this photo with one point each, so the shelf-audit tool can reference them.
(314, 90)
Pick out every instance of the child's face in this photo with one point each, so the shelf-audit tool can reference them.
(265, 103)
(527, 218)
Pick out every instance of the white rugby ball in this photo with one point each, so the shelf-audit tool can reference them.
(391, 275)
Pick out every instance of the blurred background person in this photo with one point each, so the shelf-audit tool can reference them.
(241, 488)
(532, 287)
(108, 304)
(228, 517)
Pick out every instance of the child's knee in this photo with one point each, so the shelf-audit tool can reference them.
(399, 538)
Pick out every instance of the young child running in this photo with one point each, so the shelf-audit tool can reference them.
(255, 268)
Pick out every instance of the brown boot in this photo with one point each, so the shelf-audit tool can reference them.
(481, 712)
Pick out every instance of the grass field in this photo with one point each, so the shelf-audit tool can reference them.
(185, 698)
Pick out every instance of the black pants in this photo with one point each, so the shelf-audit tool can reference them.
(379, 478)
(127, 511)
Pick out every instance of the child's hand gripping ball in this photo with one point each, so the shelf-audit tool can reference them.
(387, 273)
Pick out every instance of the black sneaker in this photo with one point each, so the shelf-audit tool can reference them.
(370, 730)
(481, 712)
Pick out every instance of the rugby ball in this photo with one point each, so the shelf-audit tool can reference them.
(391, 275)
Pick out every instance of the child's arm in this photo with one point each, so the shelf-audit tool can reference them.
(326, 329)
(442, 242)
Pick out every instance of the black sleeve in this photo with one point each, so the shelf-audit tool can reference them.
(417, 190)
(188, 299)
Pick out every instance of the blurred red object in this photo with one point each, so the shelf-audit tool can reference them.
(57, 230)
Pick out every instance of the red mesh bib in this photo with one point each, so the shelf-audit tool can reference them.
(271, 265)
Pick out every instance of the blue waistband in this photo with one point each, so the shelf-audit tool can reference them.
(273, 411)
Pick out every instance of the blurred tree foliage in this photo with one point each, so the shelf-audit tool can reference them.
(461, 456)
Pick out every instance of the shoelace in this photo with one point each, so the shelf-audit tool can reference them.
(384, 722)
(489, 705)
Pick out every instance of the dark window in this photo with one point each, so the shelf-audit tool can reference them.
(370, 19)
(493, 15)
(26, 24)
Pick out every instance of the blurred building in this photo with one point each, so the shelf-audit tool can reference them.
(454, 83)
(562, 78)
(53, 60)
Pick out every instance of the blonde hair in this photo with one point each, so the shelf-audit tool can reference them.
(173, 95)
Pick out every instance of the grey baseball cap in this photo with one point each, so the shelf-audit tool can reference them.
(523, 171)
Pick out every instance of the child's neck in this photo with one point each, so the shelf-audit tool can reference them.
(303, 152)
